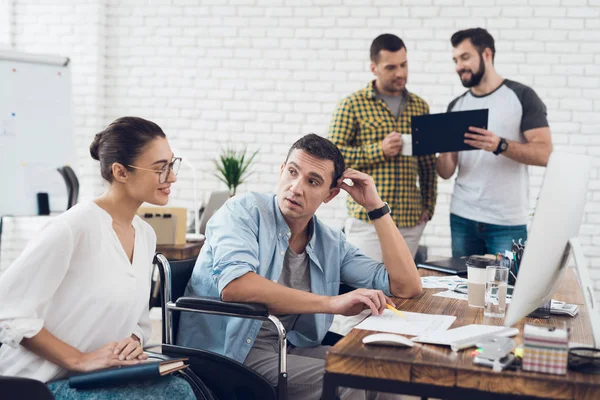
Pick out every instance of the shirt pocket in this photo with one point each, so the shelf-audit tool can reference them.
(374, 130)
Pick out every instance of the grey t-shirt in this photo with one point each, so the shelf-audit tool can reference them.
(295, 274)
(489, 188)
(396, 104)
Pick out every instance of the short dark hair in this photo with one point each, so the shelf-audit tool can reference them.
(324, 149)
(388, 42)
(480, 38)
(122, 142)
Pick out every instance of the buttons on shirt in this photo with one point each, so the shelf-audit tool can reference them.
(282, 252)
(248, 340)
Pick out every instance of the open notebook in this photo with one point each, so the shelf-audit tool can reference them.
(123, 375)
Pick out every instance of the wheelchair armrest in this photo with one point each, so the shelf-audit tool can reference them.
(154, 356)
(217, 306)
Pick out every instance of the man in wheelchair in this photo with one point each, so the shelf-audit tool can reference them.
(272, 249)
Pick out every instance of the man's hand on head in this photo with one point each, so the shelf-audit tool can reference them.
(362, 190)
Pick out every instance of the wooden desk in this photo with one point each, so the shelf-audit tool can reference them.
(435, 371)
(180, 252)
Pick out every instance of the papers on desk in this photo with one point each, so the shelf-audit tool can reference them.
(451, 294)
(411, 324)
(442, 282)
(562, 308)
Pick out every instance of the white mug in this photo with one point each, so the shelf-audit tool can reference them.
(407, 145)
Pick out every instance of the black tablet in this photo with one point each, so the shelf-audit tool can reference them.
(449, 265)
(445, 132)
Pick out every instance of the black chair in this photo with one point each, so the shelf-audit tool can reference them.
(72, 184)
(23, 388)
(226, 378)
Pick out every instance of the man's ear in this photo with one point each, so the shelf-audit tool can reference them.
(281, 168)
(332, 193)
(487, 54)
(373, 67)
(119, 172)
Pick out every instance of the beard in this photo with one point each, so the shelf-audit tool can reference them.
(475, 76)
(392, 88)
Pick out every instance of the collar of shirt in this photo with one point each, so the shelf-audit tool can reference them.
(371, 92)
(283, 231)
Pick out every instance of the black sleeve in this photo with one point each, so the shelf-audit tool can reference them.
(453, 102)
(534, 110)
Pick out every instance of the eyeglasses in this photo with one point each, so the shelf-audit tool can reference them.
(163, 173)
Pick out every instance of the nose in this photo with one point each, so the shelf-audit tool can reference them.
(296, 187)
(172, 177)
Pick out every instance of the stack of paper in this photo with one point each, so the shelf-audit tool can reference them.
(546, 349)
(442, 282)
(562, 308)
(451, 294)
(411, 324)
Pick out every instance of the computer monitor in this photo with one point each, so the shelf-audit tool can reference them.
(553, 237)
(215, 201)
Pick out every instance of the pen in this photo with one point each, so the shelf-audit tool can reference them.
(400, 313)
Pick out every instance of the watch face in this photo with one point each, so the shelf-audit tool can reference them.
(503, 145)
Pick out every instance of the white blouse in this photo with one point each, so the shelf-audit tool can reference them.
(75, 279)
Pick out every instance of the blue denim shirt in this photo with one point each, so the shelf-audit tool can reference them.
(249, 234)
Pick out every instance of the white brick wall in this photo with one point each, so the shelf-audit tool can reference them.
(6, 24)
(261, 73)
(75, 29)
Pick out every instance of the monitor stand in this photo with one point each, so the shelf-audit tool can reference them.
(587, 288)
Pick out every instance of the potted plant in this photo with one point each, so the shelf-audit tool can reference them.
(232, 167)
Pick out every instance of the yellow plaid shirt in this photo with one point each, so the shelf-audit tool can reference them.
(358, 127)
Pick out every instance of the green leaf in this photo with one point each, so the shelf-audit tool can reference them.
(233, 167)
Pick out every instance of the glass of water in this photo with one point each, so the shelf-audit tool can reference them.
(496, 285)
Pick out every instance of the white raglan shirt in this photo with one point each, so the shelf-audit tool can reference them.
(489, 188)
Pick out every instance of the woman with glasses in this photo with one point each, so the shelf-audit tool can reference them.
(76, 299)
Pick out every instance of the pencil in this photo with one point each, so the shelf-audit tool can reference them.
(400, 313)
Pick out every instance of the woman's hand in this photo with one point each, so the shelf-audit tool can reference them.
(130, 349)
(104, 357)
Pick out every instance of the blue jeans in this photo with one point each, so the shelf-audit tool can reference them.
(168, 387)
(471, 237)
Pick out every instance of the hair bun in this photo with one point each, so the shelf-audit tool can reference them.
(95, 147)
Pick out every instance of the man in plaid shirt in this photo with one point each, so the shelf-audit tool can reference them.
(367, 127)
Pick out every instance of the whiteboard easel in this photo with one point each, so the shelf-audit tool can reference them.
(36, 131)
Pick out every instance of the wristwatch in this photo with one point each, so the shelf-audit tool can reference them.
(379, 212)
(502, 146)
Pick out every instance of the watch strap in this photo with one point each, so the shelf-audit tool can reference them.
(502, 145)
(379, 212)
